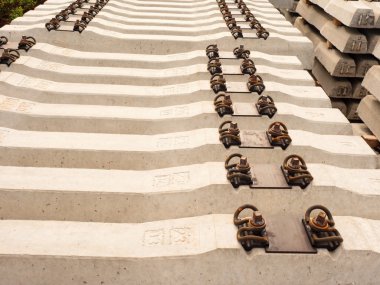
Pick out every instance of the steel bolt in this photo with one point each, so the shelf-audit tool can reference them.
(258, 218)
(321, 219)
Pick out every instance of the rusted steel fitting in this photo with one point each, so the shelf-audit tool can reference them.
(231, 22)
(248, 67)
(224, 10)
(254, 23)
(214, 66)
(62, 16)
(248, 16)
(236, 32)
(3, 40)
(26, 43)
(238, 173)
(278, 135)
(212, 51)
(223, 105)
(265, 106)
(218, 83)
(72, 8)
(229, 135)
(228, 17)
(79, 26)
(52, 25)
(295, 171)
(262, 33)
(244, 10)
(241, 52)
(93, 11)
(252, 229)
(321, 230)
(9, 56)
(86, 17)
(77, 4)
(256, 84)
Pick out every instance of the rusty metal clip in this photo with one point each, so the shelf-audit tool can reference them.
(240, 52)
(223, 105)
(9, 56)
(224, 10)
(214, 66)
(265, 106)
(241, 4)
(262, 33)
(86, 17)
(251, 230)
(229, 136)
(295, 171)
(72, 8)
(3, 40)
(77, 4)
(26, 43)
(248, 67)
(238, 173)
(231, 22)
(93, 10)
(244, 10)
(52, 25)
(236, 32)
(79, 26)
(321, 230)
(212, 51)
(249, 17)
(228, 17)
(218, 83)
(256, 84)
(63, 15)
(278, 135)
(254, 23)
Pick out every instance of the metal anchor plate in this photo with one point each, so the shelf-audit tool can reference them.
(254, 139)
(268, 176)
(286, 234)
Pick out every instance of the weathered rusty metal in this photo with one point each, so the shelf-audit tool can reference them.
(3, 40)
(9, 56)
(248, 67)
(223, 105)
(265, 106)
(278, 135)
(238, 173)
(53, 24)
(218, 83)
(262, 33)
(236, 32)
(79, 26)
(93, 10)
(63, 15)
(214, 66)
(26, 43)
(321, 229)
(241, 52)
(295, 171)
(229, 135)
(252, 229)
(256, 84)
(212, 51)
(87, 17)
(231, 22)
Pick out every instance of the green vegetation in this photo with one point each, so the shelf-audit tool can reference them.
(11, 9)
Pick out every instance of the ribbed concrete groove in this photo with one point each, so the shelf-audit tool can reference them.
(148, 77)
(47, 91)
(27, 115)
(172, 246)
(137, 152)
(191, 190)
(111, 169)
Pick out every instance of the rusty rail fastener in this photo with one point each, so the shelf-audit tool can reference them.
(214, 66)
(236, 32)
(53, 24)
(256, 84)
(3, 40)
(248, 66)
(87, 17)
(278, 135)
(223, 105)
(229, 135)
(321, 230)
(212, 51)
(63, 15)
(238, 173)
(295, 171)
(79, 26)
(9, 56)
(26, 43)
(218, 83)
(241, 52)
(251, 230)
(265, 106)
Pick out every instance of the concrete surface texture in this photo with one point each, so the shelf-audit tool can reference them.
(111, 167)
